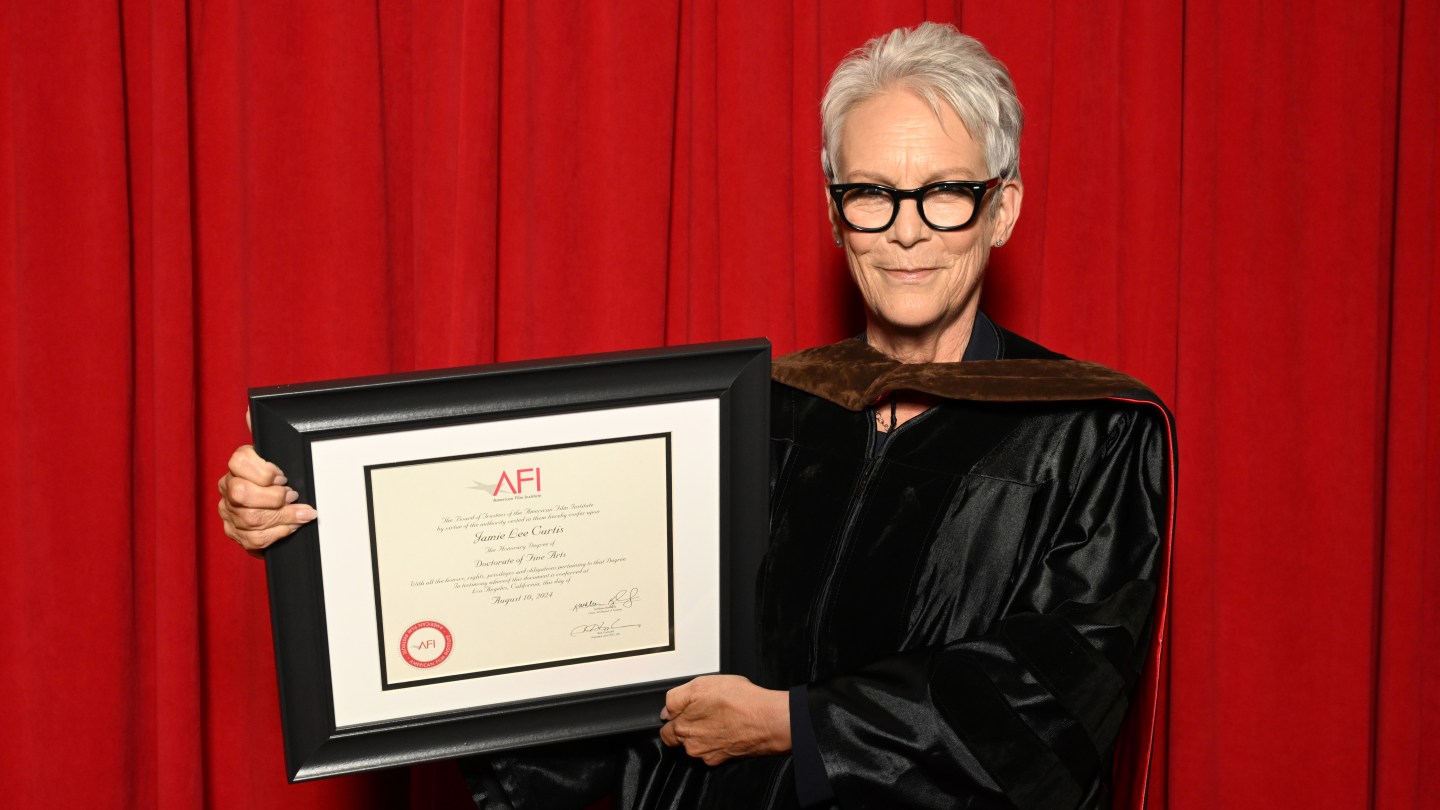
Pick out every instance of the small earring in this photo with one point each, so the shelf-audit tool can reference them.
(837, 241)
(999, 242)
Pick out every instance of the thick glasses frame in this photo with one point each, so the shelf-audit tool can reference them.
(977, 188)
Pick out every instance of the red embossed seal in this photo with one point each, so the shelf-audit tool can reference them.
(426, 644)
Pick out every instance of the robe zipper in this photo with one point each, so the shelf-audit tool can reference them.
(872, 463)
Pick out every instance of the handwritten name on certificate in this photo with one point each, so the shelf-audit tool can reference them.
(522, 559)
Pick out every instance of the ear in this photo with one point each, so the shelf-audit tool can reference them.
(1007, 210)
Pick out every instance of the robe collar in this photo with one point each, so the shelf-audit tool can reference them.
(854, 376)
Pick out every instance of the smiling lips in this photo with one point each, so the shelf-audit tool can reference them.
(909, 273)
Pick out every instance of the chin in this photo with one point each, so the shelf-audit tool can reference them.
(902, 325)
(908, 318)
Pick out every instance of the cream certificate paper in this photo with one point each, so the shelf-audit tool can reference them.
(499, 562)
(517, 559)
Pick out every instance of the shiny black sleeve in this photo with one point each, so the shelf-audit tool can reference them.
(1027, 714)
(563, 775)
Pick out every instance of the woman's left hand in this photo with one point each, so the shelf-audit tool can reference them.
(720, 717)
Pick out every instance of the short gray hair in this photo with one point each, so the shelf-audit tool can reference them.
(939, 64)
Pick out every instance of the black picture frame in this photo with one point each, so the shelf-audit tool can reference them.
(288, 419)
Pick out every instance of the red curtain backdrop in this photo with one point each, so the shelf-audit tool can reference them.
(1235, 201)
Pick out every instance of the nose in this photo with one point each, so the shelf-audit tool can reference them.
(908, 228)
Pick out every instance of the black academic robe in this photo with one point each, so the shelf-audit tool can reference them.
(968, 604)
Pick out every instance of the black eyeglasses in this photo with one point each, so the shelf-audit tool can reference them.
(950, 205)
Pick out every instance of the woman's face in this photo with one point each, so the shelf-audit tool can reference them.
(918, 282)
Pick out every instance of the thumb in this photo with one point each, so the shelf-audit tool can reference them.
(675, 702)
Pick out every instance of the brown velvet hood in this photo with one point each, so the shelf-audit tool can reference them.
(853, 375)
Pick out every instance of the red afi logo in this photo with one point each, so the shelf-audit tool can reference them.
(516, 485)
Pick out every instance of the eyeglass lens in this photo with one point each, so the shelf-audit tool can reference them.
(943, 207)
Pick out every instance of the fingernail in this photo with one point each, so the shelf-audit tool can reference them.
(281, 480)
(665, 714)
(292, 496)
(303, 515)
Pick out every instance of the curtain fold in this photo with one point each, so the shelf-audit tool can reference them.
(1407, 705)
(1233, 201)
(161, 702)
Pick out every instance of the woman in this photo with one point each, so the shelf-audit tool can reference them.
(958, 592)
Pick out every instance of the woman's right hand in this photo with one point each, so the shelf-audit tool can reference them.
(256, 505)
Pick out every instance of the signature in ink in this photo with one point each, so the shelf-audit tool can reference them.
(600, 628)
(624, 598)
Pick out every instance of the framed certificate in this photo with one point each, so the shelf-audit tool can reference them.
(512, 554)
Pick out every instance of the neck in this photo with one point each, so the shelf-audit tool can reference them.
(937, 345)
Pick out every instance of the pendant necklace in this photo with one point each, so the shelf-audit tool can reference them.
(893, 421)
